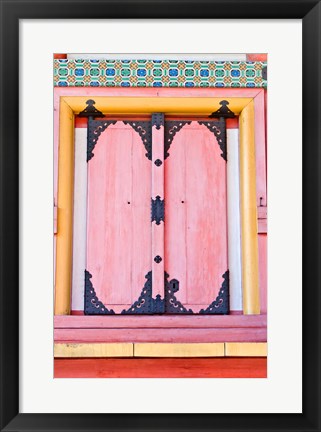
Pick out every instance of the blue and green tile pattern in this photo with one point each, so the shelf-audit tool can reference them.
(157, 73)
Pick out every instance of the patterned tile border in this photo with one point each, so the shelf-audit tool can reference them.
(157, 73)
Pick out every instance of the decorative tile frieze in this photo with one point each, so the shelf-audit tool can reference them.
(158, 73)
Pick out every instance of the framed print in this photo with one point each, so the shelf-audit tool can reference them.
(137, 180)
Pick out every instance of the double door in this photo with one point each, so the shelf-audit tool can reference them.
(156, 216)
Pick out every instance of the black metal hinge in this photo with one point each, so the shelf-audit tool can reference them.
(223, 112)
(158, 210)
(90, 110)
(94, 127)
(219, 130)
(157, 120)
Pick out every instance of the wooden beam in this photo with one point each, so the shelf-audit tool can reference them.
(162, 335)
(162, 321)
(126, 349)
(161, 368)
(258, 349)
(93, 350)
(148, 105)
(178, 350)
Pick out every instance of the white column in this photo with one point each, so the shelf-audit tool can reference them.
(80, 220)
(233, 213)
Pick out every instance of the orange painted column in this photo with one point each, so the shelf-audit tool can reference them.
(157, 199)
(65, 211)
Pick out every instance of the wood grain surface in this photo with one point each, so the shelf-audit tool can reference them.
(161, 368)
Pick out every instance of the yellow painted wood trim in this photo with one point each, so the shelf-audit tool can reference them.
(65, 210)
(249, 241)
(238, 349)
(179, 350)
(147, 105)
(96, 350)
(93, 350)
(72, 105)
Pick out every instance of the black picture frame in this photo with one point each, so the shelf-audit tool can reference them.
(13, 10)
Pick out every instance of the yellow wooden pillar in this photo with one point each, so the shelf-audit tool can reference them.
(250, 265)
(65, 210)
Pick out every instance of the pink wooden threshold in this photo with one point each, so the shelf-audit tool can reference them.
(192, 329)
(157, 321)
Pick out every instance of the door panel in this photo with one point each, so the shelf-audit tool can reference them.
(118, 219)
(140, 257)
(195, 216)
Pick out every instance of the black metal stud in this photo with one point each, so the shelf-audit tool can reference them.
(157, 259)
(158, 162)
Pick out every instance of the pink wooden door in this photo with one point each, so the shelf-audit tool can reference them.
(140, 257)
(195, 218)
(118, 220)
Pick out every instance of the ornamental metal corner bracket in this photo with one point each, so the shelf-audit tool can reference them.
(172, 127)
(146, 304)
(220, 306)
(93, 306)
(144, 130)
